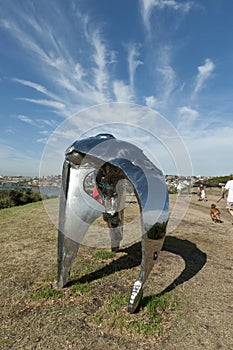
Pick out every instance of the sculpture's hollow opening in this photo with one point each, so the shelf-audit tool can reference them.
(106, 184)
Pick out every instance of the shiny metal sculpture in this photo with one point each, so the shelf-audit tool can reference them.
(112, 161)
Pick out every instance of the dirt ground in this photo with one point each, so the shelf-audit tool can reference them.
(207, 287)
(195, 266)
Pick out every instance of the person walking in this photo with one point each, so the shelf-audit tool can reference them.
(179, 188)
(199, 193)
(203, 195)
(229, 188)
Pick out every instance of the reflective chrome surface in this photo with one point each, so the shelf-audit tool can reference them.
(112, 161)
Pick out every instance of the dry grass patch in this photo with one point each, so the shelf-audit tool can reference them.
(186, 302)
(96, 295)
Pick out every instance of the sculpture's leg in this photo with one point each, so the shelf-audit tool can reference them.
(114, 215)
(67, 251)
(115, 229)
(150, 251)
(116, 226)
(77, 211)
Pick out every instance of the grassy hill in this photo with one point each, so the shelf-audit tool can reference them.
(91, 311)
(34, 313)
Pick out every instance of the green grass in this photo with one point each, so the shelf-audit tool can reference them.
(103, 254)
(46, 293)
(148, 322)
(82, 289)
(34, 315)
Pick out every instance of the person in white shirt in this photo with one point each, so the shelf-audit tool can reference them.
(179, 188)
(229, 188)
(203, 195)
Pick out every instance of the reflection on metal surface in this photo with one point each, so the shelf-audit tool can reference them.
(111, 164)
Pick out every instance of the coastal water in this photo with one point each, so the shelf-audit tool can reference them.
(50, 191)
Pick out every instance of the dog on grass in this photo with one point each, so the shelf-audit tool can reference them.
(215, 213)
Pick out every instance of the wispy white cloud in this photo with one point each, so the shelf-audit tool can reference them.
(152, 102)
(9, 131)
(47, 122)
(47, 103)
(204, 72)
(43, 126)
(81, 83)
(26, 41)
(78, 80)
(133, 62)
(167, 73)
(122, 92)
(26, 119)
(125, 92)
(100, 59)
(37, 87)
(85, 86)
(187, 117)
(42, 140)
(164, 75)
(80, 72)
(147, 7)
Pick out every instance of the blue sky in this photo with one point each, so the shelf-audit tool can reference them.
(149, 70)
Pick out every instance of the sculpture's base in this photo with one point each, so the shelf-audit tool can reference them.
(136, 297)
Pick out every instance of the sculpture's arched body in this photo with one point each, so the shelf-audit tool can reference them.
(112, 161)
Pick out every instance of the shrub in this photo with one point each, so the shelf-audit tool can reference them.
(15, 197)
(6, 203)
(35, 197)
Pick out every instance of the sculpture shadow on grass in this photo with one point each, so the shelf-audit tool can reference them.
(193, 257)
